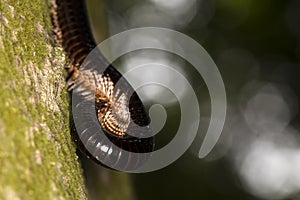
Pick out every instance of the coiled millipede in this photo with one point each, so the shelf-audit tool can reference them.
(114, 145)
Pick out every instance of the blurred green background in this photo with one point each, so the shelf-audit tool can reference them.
(256, 46)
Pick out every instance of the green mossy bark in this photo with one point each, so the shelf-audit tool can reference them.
(37, 156)
(38, 160)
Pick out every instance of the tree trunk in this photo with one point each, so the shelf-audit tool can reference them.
(37, 156)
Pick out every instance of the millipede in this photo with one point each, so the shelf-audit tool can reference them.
(117, 108)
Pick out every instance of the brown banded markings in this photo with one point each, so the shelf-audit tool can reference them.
(117, 109)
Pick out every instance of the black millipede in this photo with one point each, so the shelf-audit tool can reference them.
(114, 145)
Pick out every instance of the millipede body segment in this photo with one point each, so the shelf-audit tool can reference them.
(118, 109)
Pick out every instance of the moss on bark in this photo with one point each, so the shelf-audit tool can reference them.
(37, 157)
